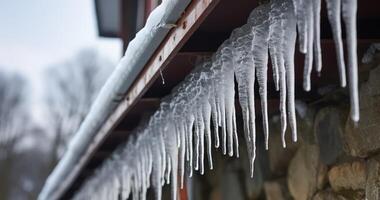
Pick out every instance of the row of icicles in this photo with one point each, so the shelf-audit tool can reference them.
(180, 133)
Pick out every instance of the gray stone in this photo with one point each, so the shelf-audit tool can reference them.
(305, 126)
(273, 191)
(306, 172)
(327, 195)
(276, 190)
(328, 129)
(372, 190)
(363, 138)
(348, 176)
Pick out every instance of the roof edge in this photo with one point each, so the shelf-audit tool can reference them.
(138, 53)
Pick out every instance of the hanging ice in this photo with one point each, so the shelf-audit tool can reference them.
(333, 13)
(349, 9)
(282, 41)
(245, 76)
(201, 109)
(308, 19)
(308, 24)
(259, 21)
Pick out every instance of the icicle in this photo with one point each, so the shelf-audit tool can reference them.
(190, 127)
(162, 77)
(150, 160)
(309, 46)
(220, 100)
(164, 159)
(252, 125)
(143, 174)
(182, 155)
(317, 35)
(178, 135)
(236, 138)
(283, 104)
(349, 9)
(168, 169)
(291, 98)
(307, 13)
(214, 116)
(186, 135)
(201, 143)
(300, 10)
(275, 41)
(333, 13)
(260, 32)
(173, 157)
(197, 142)
(206, 113)
(228, 92)
(281, 17)
(216, 102)
(245, 76)
(288, 51)
(223, 125)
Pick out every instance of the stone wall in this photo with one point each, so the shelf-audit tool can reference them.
(333, 159)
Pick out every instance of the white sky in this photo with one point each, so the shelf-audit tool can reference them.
(35, 34)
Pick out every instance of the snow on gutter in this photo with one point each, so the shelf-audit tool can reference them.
(139, 50)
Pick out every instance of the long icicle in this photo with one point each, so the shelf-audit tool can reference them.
(334, 15)
(349, 9)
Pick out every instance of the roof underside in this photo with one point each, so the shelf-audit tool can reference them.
(203, 42)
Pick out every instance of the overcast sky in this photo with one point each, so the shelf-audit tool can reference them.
(37, 33)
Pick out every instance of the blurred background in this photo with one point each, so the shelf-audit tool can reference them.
(52, 64)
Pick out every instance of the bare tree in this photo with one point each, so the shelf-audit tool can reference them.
(28, 151)
(12, 118)
(12, 110)
(72, 87)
